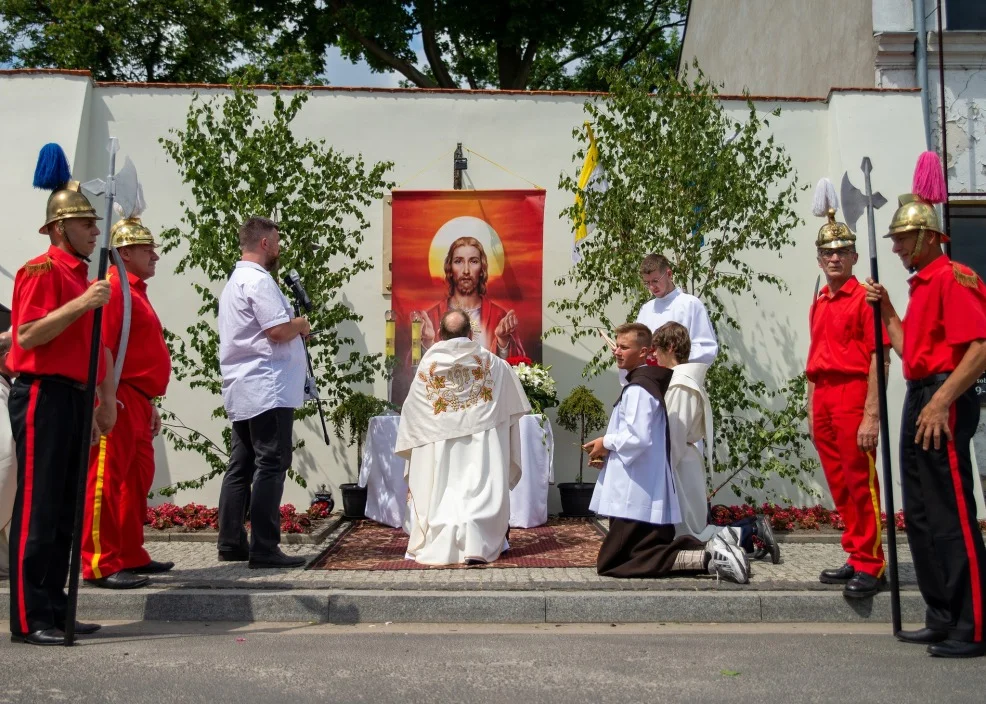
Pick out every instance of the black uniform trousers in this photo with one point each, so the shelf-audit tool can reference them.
(46, 417)
(258, 462)
(940, 515)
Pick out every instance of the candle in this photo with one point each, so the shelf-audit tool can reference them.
(415, 339)
(390, 325)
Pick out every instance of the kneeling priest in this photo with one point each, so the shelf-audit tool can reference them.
(460, 435)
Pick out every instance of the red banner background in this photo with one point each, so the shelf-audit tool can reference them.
(517, 219)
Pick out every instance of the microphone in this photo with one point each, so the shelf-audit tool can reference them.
(293, 281)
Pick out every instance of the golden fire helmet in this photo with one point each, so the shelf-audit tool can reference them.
(834, 235)
(67, 203)
(130, 231)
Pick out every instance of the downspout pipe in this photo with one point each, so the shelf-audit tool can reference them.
(921, 67)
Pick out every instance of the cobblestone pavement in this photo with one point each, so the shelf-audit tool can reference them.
(196, 566)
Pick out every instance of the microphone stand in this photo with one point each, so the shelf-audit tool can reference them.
(311, 373)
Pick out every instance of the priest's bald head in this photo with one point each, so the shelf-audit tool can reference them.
(455, 323)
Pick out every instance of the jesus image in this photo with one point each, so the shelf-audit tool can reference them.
(466, 276)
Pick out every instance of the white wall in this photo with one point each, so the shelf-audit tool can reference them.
(529, 133)
(896, 15)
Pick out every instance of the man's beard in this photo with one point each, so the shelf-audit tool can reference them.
(465, 287)
(273, 263)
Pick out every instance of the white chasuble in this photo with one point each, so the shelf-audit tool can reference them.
(690, 427)
(460, 435)
(636, 481)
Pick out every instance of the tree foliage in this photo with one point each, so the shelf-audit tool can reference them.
(198, 41)
(356, 412)
(581, 412)
(238, 166)
(509, 44)
(714, 196)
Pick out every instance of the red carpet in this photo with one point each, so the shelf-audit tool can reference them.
(561, 542)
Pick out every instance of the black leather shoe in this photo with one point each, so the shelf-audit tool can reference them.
(153, 567)
(862, 585)
(83, 629)
(837, 576)
(48, 636)
(123, 579)
(922, 636)
(278, 559)
(233, 556)
(957, 649)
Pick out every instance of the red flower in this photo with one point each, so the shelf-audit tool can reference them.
(519, 359)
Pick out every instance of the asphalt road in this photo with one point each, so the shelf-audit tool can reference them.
(190, 662)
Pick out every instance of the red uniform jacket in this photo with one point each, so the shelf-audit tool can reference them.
(147, 365)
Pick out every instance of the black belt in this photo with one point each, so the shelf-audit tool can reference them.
(913, 384)
(29, 379)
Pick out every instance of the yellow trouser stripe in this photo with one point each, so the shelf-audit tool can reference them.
(97, 508)
(875, 497)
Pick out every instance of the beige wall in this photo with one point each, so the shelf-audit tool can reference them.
(782, 47)
(529, 133)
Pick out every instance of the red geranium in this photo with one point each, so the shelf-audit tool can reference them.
(519, 359)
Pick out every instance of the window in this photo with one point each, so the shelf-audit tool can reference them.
(968, 231)
(965, 14)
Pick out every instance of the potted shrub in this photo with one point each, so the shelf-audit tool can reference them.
(581, 412)
(355, 412)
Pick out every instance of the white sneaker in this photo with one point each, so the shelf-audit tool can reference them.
(728, 561)
(731, 536)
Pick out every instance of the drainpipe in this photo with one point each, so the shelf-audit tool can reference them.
(921, 67)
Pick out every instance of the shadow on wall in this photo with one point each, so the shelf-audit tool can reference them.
(315, 461)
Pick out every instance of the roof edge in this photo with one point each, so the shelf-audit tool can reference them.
(438, 91)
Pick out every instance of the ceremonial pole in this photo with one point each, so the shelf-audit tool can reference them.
(95, 351)
(881, 381)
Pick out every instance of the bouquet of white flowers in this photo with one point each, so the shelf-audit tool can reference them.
(537, 383)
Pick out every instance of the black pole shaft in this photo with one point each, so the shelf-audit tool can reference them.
(881, 386)
(95, 351)
(888, 475)
(311, 373)
(946, 212)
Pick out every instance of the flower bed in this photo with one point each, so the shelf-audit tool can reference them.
(191, 518)
(788, 518)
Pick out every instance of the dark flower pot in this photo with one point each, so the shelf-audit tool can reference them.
(353, 501)
(575, 499)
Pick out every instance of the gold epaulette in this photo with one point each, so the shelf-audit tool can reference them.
(38, 268)
(964, 275)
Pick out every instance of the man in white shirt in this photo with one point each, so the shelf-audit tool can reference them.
(670, 303)
(460, 435)
(636, 488)
(262, 357)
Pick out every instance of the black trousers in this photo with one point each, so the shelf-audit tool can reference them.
(940, 516)
(254, 480)
(638, 549)
(46, 417)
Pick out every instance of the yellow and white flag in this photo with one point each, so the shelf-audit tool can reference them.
(592, 177)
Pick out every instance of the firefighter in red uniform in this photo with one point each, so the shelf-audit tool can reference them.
(942, 341)
(843, 408)
(121, 468)
(52, 321)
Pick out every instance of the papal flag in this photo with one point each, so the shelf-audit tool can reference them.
(591, 178)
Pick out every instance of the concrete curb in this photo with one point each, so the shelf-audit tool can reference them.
(380, 606)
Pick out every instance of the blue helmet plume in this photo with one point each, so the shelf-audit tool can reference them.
(52, 171)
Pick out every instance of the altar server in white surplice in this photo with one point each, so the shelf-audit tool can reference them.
(670, 303)
(689, 427)
(460, 435)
